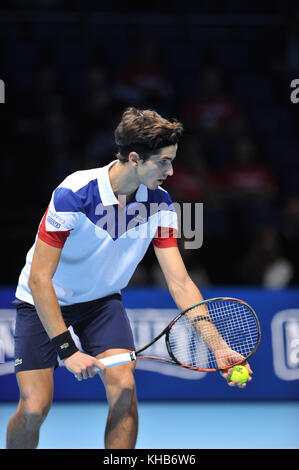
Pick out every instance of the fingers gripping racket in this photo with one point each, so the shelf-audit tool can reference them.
(212, 335)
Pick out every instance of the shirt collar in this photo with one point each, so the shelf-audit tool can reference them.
(107, 196)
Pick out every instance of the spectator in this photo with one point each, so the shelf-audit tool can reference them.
(143, 80)
(211, 110)
(265, 264)
(97, 116)
(290, 234)
(248, 179)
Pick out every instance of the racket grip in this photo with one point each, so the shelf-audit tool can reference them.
(117, 360)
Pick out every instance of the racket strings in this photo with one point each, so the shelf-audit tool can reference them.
(217, 326)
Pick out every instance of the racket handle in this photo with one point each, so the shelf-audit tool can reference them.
(117, 360)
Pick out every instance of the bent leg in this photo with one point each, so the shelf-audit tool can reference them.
(122, 422)
(36, 394)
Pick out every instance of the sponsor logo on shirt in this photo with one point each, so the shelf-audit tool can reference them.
(53, 222)
(56, 217)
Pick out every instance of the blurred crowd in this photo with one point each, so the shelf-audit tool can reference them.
(66, 88)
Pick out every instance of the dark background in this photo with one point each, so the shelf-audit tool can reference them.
(223, 68)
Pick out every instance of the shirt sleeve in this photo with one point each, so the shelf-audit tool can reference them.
(61, 217)
(53, 238)
(165, 237)
(167, 230)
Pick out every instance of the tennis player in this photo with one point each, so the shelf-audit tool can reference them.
(87, 247)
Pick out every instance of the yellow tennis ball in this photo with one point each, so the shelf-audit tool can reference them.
(239, 373)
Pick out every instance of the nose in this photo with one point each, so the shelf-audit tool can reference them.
(169, 171)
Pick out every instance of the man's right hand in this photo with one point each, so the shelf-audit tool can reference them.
(82, 365)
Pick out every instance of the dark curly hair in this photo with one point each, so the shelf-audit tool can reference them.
(144, 131)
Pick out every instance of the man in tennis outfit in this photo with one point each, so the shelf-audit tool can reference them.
(87, 247)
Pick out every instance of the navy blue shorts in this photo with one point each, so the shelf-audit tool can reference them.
(99, 324)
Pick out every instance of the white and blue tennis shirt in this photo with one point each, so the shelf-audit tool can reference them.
(101, 247)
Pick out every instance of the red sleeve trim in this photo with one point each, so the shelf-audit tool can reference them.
(165, 237)
(56, 239)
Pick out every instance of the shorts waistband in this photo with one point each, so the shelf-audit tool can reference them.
(69, 308)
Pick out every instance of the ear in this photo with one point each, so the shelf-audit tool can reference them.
(134, 158)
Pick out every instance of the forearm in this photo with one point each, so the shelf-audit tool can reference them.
(47, 306)
(186, 295)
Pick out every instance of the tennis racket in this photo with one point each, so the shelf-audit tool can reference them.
(212, 335)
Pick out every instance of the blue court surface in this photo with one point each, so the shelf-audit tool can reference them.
(173, 425)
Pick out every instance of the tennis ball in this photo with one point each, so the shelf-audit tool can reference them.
(240, 373)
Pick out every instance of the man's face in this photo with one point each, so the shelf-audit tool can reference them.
(157, 168)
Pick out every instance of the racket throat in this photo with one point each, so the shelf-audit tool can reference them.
(168, 348)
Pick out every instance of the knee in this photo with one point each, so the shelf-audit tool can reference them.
(122, 379)
(120, 387)
(34, 410)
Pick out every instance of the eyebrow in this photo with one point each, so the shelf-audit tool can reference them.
(167, 158)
